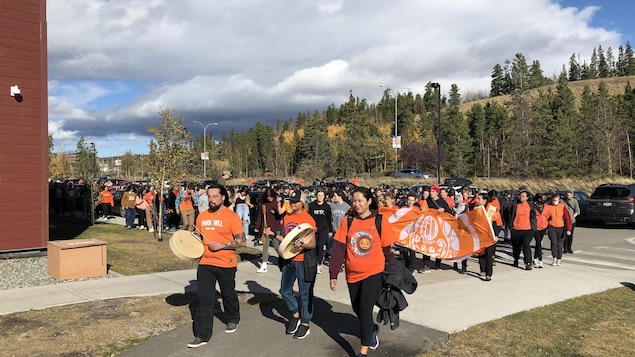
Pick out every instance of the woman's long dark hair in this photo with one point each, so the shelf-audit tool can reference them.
(368, 194)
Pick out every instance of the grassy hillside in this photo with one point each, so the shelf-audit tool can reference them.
(615, 85)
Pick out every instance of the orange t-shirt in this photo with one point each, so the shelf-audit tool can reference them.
(107, 198)
(220, 226)
(388, 211)
(423, 204)
(522, 221)
(364, 253)
(187, 204)
(149, 198)
(293, 220)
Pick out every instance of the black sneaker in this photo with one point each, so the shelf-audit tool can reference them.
(293, 325)
(302, 332)
(375, 339)
(231, 327)
(196, 343)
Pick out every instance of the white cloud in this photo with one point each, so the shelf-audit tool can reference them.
(246, 60)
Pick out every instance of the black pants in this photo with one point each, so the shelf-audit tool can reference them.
(408, 256)
(106, 208)
(568, 240)
(538, 235)
(521, 240)
(142, 217)
(207, 276)
(556, 235)
(364, 295)
(321, 236)
(486, 260)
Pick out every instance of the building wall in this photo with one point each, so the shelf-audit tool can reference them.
(23, 126)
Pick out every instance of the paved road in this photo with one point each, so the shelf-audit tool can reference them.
(610, 246)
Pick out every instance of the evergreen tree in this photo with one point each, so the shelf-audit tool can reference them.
(592, 72)
(603, 66)
(536, 77)
(629, 60)
(456, 137)
(575, 72)
(497, 86)
(478, 127)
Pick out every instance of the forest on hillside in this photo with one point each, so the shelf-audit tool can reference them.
(540, 129)
(537, 132)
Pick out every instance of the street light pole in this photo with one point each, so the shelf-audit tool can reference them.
(437, 86)
(92, 185)
(396, 97)
(205, 145)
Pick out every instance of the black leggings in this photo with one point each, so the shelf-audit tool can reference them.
(364, 295)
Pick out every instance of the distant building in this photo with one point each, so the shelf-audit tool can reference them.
(24, 204)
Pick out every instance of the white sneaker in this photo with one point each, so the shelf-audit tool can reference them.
(151, 230)
(558, 262)
(540, 264)
(553, 261)
(142, 227)
(263, 268)
(536, 263)
(319, 269)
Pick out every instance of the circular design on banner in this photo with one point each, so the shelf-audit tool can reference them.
(362, 243)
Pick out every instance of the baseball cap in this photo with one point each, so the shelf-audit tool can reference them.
(295, 196)
(435, 188)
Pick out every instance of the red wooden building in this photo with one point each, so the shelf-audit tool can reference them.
(23, 125)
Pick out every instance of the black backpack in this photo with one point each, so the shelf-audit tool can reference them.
(378, 217)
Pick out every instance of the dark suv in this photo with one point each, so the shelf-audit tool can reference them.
(612, 203)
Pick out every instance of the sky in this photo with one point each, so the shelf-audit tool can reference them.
(113, 64)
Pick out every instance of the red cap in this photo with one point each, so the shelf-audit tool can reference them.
(436, 188)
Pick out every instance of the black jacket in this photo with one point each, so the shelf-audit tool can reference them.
(395, 278)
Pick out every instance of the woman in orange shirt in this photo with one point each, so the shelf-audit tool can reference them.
(364, 252)
(523, 219)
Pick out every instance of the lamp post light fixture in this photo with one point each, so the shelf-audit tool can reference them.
(396, 143)
(437, 86)
(204, 156)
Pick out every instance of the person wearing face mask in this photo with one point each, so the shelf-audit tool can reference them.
(559, 223)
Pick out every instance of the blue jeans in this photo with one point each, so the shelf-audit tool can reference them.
(290, 272)
(242, 210)
(130, 214)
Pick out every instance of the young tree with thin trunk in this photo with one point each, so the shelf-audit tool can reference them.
(169, 154)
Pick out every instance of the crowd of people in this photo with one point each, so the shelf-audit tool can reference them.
(352, 236)
(360, 247)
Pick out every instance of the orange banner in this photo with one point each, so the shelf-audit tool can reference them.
(442, 236)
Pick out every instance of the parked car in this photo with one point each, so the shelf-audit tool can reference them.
(457, 181)
(262, 184)
(612, 203)
(411, 173)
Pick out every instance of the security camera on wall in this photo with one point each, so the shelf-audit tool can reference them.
(15, 92)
